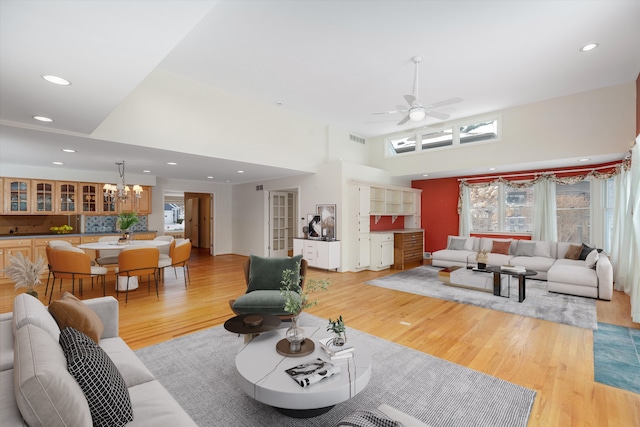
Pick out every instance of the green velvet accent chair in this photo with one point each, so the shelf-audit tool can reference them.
(263, 277)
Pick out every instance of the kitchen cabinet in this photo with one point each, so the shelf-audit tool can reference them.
(91, 196)
(39, 244)
(408, 248)
(318, 253)
(142, 205)
(67, 197)
(17, 196)
(43, 197)
(362, 199)
(11, 247)
(381, 251)
(1, 196)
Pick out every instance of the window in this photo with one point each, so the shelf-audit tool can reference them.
(573, 209)
(446, 136)
(476, 132)
(441, 138)
(403, 145)
(500, 208)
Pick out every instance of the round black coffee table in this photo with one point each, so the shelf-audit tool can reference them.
(252, 324)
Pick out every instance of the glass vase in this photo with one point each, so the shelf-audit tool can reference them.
(295, 335)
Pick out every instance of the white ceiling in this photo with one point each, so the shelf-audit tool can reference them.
(334, 61)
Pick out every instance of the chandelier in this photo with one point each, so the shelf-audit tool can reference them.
(120, 192)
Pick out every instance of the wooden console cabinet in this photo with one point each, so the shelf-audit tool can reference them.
(407, 248)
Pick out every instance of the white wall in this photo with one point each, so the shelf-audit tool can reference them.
(170, 112)
(583, 125)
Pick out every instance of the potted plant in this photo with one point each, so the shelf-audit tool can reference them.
(483, 258)
(338, 328)
(25, 273)
(297, 299)
(126, 220)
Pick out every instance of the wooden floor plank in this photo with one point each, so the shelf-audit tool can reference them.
(554, 360)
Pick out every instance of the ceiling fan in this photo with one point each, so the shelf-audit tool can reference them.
(416, 111)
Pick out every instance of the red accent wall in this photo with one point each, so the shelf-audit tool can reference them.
(439, 205)
(385, 223)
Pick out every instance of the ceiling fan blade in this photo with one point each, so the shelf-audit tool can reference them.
(437, 115)
(403, 121)
(392, 112)
(410, 99)
(445, 102)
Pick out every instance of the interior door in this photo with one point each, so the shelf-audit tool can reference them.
(278, 203)
(192, 215)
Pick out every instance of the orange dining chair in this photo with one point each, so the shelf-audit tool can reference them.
(138, 262)
(52, 244)
(165, 258)
(180, 255)
(68, 262)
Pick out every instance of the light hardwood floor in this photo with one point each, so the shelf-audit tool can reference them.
(554, 360)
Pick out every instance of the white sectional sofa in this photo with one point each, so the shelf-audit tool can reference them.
(591, 276)
(36, 388)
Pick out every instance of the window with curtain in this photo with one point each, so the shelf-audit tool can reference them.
(609, 200)
(500, 208)
(573, 211)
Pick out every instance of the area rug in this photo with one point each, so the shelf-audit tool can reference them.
(616, 356)
(539, 303)
(198, 370)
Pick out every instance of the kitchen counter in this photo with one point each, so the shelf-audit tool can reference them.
(39, 235)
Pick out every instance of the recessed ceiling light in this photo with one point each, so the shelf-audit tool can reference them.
(589, 47)
(56, 80)
(57, 163)
(172, 163)
(68, 150)
(584, 160)
(227, 180)
(492, 169)
(240, 171)
(425, 174)
(209, 177)
(43, 119)
(146, 171)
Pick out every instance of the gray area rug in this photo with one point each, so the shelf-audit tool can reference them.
(539, 303)
(198, 370)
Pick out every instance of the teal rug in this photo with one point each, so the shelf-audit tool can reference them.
(616, 354)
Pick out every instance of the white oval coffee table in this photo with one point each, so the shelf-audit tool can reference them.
(260, 372)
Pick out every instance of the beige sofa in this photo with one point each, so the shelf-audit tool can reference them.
(36, 389)
(582, 277)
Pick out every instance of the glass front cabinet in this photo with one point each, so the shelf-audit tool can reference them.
(43, 197)
(17, 196)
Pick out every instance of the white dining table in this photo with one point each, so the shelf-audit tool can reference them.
(114, 246)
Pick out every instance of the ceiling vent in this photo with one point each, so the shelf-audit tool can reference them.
(356, 138)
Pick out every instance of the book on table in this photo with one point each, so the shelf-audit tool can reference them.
(513, 268)
(310, 373)
(336, 352)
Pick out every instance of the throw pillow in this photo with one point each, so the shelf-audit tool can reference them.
(586, 250)
(70, 311)
(457, 243)
(592, 259)
(99, 379)
(468, 244)
(266, 273)
(525, 248)
(501, 247)
(573, 252)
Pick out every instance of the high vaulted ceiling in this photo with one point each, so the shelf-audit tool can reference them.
(334, 61)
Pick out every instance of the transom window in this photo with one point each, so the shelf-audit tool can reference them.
(446, 137)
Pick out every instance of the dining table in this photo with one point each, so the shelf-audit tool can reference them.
(116, 246)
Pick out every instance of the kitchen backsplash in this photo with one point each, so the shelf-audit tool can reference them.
(101, 224)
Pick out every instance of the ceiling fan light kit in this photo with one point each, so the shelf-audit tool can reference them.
(417, 111)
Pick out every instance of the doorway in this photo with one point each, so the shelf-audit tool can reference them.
(190, 215)
(283, 211)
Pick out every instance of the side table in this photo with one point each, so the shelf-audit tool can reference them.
(521, 275)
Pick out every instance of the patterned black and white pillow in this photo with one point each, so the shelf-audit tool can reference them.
(99, 379)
